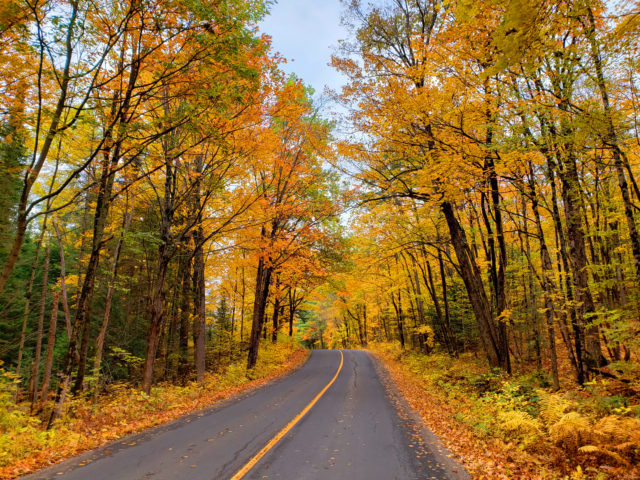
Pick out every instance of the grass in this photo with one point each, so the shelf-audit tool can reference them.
(26, 446)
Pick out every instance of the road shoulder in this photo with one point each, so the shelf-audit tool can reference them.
(445, 458)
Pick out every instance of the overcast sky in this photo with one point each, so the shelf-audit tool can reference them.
(305, 32)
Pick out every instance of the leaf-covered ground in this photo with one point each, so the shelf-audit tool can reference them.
(516, 427)
(25, 446)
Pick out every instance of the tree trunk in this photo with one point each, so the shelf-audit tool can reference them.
(242, 303)
(292, 310)
(445, 301)
(578, 261)
(156, 318)
(276, 310)
(564, 264)
(107, 307)
(185, 314)
(500, 280)
(263, 281)
(35, 375)
(27, 304)
(547, 282)
(276, 316)
(63, 282)
(611, 140)
(199, 306)
(51, 342)
(399, 317)
(495, 346)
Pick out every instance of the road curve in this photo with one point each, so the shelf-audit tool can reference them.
(358, 429)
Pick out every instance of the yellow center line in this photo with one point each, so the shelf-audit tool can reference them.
(250, 464)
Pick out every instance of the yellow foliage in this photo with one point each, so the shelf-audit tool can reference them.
(521, 426)
(620, 434)
(571, 432)
(617, 438)
(589, 449)
(553, 408)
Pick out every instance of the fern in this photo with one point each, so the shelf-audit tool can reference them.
(520, 426)
(589, 449)
(593, 449)
(553, 408)
(571, 431)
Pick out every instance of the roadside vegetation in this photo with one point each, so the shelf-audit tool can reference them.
(89, 422)
(518, 427)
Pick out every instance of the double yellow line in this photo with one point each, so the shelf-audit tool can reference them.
(251, 463)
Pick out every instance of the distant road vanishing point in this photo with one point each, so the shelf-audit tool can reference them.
(334, 418)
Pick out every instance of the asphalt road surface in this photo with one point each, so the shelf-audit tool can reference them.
(359, 428)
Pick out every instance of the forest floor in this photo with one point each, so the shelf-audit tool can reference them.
(516, 427)
(25, 446)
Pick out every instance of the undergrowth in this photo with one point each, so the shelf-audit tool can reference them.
(575, 433)
(88, 422)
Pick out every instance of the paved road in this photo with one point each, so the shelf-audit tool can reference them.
(359, 429)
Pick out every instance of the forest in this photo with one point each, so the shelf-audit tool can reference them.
(176, 212)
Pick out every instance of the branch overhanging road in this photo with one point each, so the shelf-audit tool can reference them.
(331, 419)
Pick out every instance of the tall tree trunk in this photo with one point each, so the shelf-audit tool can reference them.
(399, 316)
(442, 322)
(611, 139)
(242, 303)
(501, 296)
(275, 319)
(359, 324)
(568, 284)
(547, 283)
(292, 309)
(110, 290)
(276, 311)
(25, 317)
(495, 346)
(199, 305)
(578, 261)
(83, 313)
(51, 342)
(157, 300)
(157, 312)
(529, 287)
(445, 301)
(185, 314)
(35, 374)
(199, 290)
(418, 292)
(63, 282)
(263, 281)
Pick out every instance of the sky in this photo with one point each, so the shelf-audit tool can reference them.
(306, 33)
